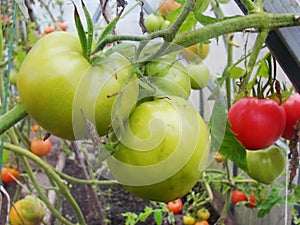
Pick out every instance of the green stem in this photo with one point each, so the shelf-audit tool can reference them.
(260, 40)
(251, 7)
(54, 176)
(259, 21)
(16, 114)
(83, 181)
(237, 24)
(229, 39)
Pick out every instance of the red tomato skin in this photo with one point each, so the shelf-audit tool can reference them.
(238, 196)
(258, 123)
(252, 201)
(6, 174)
(175, 206)
(292, 110)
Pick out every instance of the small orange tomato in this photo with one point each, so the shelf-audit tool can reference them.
(167, 6)
(203, 222)
(63, 26)
(219, 157)
(49, 29)
(9, 175)
(35, 128)
(40, 147)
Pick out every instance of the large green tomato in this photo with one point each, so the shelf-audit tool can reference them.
(163, 149)
(169, 77)
(266, 165)
(29, 210)
(54, 72)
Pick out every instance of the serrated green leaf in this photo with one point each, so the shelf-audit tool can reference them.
(80, 32)
(236, 72)
(267, 204)
(158, 216)
(223, 139)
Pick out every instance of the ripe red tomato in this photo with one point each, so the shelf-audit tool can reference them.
(238, 196)
(40, 147)
(258, 123)
(175, 206)
(252, 201)
(292, 110)
(49, 29)
(7, 175)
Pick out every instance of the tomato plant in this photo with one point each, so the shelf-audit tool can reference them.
(203, 214)
(292, 110)
(30, 211)
(180, 135)
(258, 123)
(9, 175)
(175, 206)
(238, 196)
(270, 160)
(199, 74)
(40, 147)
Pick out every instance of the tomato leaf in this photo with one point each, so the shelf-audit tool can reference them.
(81, 32)
(236, 72)
(109, 28)
(158, 216)
(90, 28)
(267, 204)
(223, 139)
(207, 20)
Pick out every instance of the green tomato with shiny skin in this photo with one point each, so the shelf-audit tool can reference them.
(153, 22)
(163, 149)
(266, 165)
(57, 85)
(169, 77)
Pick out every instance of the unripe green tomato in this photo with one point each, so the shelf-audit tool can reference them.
(199, 74)
(188, 219)
(166, 24)
(153, 22)
(58, 86)
(169, 77)
(163, 150)
(266, 165)
(29, 210)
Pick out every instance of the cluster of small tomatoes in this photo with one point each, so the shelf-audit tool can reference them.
(56, 26)
(200, 218)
